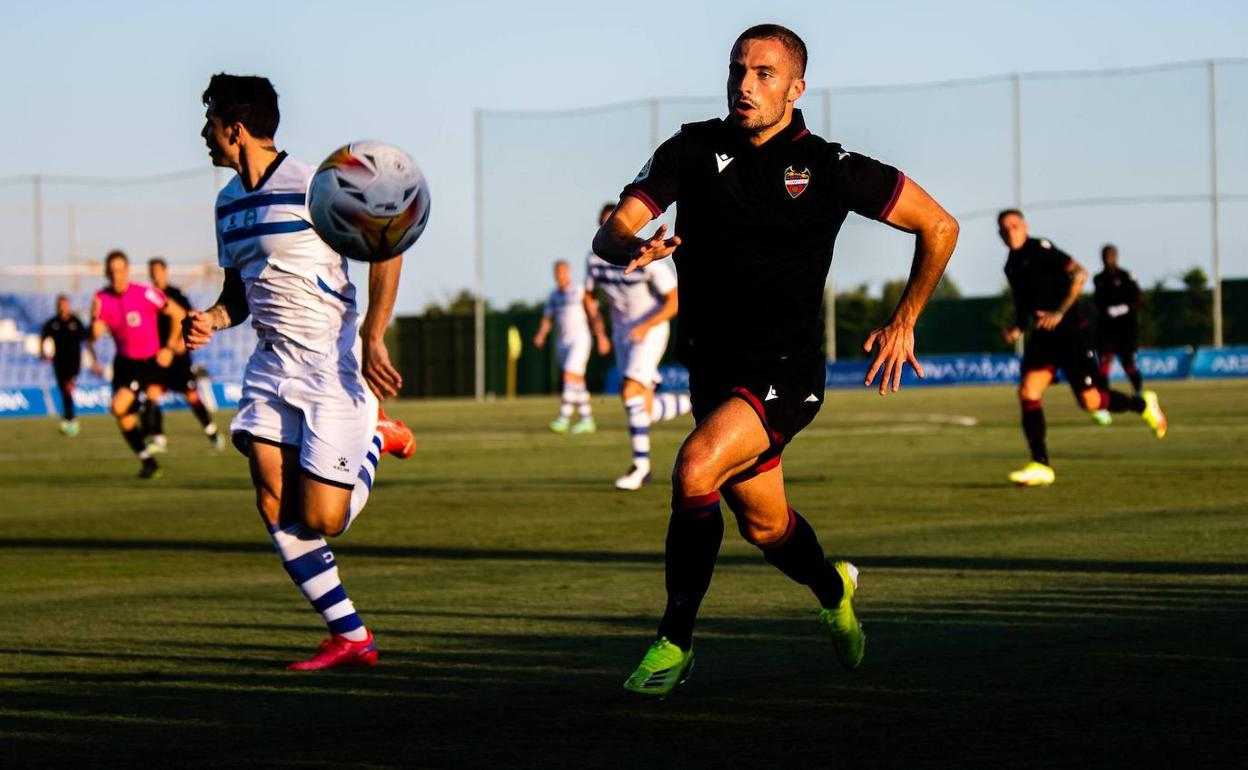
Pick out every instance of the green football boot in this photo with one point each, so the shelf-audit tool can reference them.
(841, 623)
(586, 425)
(664, 667)
(560, 425)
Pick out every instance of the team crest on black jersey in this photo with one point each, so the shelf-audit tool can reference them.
(796, 181)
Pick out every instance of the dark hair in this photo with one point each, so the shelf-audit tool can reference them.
(787, 37)
(62, 296)
(1108, 248)
(154, 261)
(116, 254)
(246, 99)
(605, 208)
(1007, 212)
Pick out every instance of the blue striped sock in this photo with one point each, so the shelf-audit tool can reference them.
(310, 564)
(639, 430)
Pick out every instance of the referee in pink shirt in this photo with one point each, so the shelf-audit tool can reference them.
(128, 311)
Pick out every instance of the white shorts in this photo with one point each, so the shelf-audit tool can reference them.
(639, 361)
(574, 354)
(328, 415)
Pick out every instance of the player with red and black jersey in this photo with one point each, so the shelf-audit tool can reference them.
(760, 202)
(1117, 299)
(1046, 283)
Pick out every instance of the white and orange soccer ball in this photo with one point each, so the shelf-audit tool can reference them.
(369, 201)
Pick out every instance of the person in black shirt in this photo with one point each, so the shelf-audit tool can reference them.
(1046, 283)
(760, 201)
(1117, 299)
(68, 335)
(179, 376)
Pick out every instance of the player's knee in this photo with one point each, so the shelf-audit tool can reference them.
(329, 523)
(694, 474)
(1090, 400)
(1026, 393)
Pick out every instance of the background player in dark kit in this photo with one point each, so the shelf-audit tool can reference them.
(760, 201)
(68, 335)
(1046, 283)
(1117, 298)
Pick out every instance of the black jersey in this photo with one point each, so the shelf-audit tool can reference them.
(757, 226)
(67, 335)
(163, 322)
(1040, 280)
(1115, 295)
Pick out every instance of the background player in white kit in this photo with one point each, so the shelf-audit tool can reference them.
(309, 420)
(643, 304)
(572, 312)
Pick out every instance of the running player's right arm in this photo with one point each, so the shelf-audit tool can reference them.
(98, 327)
(644, 199)
(229, 310)
(539, 339)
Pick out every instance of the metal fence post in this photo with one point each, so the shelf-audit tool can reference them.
(1213, 203)
(479, 266)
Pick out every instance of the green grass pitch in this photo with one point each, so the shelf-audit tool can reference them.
(1102, 622)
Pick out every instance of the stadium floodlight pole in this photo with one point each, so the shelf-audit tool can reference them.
(1017, 82)
(73, 246)
(479, 264)
(829, 318)
(1213, 202)
(36, 191)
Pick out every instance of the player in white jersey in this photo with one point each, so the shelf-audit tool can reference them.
(643, 303)
(572, 313)
(309, 420)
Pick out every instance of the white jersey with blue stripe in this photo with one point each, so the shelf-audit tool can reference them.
(633, 296)
(301, 300)
(566, 307)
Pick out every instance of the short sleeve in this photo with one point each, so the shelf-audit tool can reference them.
(864, 185)
(662, 279)
(549, 310)
(155, 296)
(1055, 259)
(47, 330)
(657, 184)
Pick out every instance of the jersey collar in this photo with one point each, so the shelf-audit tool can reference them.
(791, 133)
(268, 172)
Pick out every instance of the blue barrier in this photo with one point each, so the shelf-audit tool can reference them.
(43, 402)
(1159, 364)
(1219, 363)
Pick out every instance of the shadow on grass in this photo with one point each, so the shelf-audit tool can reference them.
(1081, 673)
(945, 563)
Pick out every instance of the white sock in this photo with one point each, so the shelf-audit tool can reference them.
(580, 399)
(567, 401)
(639, 430)
(364, 481)
(668, 406)
(311, 566)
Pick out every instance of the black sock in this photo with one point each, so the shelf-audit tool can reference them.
(157, 426)
(693, 537)
(1034, 430)
(1137, 382)
(201, 413)
(1121, 402)
(67, 403)
(799, 555)
(134, 437)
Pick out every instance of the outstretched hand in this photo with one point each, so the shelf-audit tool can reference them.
(896, 340)
(656, 247)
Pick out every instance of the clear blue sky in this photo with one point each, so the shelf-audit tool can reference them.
(111, 88)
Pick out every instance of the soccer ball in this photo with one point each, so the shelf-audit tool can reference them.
(369, 201)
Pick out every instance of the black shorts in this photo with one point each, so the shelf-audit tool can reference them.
(178, 376)
(65, 372)
(1068, 348)
(1119, 337)
(785, 398)
(134, 373)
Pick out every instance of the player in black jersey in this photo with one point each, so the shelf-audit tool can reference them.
(1117, 299)
(179, 376)
(1046, 283)
(68, 334)
(761, 200)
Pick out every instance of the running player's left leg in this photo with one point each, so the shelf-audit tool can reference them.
(789, 543)
(638, 361)
(573, 359)
(1093, 393)
(181, 378)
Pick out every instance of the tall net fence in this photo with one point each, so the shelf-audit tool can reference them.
(1125, 156)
